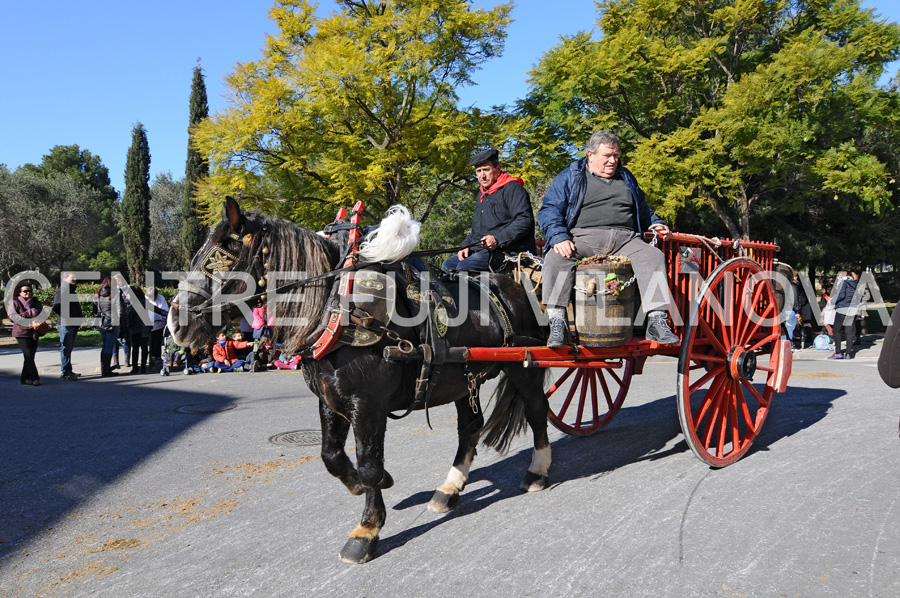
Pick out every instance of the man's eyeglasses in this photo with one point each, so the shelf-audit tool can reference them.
(25, 291)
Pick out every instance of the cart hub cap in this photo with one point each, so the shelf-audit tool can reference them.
(741, 363)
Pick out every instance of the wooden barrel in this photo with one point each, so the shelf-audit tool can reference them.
(603, 319)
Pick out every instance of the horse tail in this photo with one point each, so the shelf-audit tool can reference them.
(395, 238)
(507, 420)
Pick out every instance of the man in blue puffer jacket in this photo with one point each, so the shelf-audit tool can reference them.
(596, 207)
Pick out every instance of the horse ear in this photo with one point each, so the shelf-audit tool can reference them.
(231, 212)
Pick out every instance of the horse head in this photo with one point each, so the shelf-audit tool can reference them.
(231, 264)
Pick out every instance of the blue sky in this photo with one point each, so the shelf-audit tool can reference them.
(85, 74)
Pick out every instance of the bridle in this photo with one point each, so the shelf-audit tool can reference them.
(217, 260)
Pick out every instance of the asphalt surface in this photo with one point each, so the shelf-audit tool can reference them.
(150, 486)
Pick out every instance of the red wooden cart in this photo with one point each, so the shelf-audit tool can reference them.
(731, 358)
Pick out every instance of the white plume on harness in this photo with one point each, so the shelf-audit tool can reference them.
(396, 237)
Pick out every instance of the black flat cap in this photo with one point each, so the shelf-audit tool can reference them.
(484, 156)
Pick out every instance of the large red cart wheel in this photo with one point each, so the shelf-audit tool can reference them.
(572, 393)
(733, 328)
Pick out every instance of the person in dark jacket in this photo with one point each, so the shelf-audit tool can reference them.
(67, 306)
(845, 306)
(139, 327)
(26, 307)
(804, 310)
(109, 307)
(595, 206)
(503, 220)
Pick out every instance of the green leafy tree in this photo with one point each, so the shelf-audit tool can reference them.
(193, 232)
(47, 220)
(360, 105)
(166, 202)
(87, 169)
(136, 204)
(756, 111)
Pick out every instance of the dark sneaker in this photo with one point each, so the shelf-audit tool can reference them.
(837, 356)
(848, 355)
(658, 329)
(557, 333)
(69, 377)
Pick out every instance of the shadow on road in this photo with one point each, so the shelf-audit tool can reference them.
(638, 433)
(62, 446)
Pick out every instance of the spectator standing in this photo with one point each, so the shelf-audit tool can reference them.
(845, 306)
(110, 308)
(158, 307)
(261, 324)
(139, 328)
(68, 308)
(24, 307)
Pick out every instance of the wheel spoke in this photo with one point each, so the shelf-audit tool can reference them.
(711, 337)
(572, 391)
(766, 339)
(723, 420)
(762, 400)
(705, 378)
(740, 336)
(737, 396)
(756, 325)
(559, 382)
(717, 315)
(745, 409)
(594, 407)
(579, 417)
(606, 393)
(709, 408)
(709, 358)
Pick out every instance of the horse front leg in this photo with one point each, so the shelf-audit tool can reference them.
(469, 424)
(363, 541)
(335, 428)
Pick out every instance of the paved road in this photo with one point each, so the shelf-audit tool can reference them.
(151, 486)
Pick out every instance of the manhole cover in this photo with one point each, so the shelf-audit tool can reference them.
(298, 438)
(202, 408)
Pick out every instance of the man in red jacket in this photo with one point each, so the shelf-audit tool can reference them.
(503, 218)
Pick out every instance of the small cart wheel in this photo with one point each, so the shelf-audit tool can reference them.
(572, 393)
(732, 335)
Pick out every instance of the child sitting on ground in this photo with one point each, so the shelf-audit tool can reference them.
(224, 354)
(286, 361)
(264, 354)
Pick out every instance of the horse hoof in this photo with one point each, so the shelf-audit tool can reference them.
(442, 503)
(358, 550)
(534, 482)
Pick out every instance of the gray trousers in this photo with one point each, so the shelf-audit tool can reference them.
(647, 261)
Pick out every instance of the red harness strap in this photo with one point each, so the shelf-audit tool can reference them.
(334, 324)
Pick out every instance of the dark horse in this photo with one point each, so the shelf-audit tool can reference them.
(357, 387)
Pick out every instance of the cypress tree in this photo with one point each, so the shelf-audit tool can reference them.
(193, 233)
(136, 204)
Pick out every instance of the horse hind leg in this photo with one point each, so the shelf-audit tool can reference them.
(469, 426)
(529, 387)
(519, 402)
